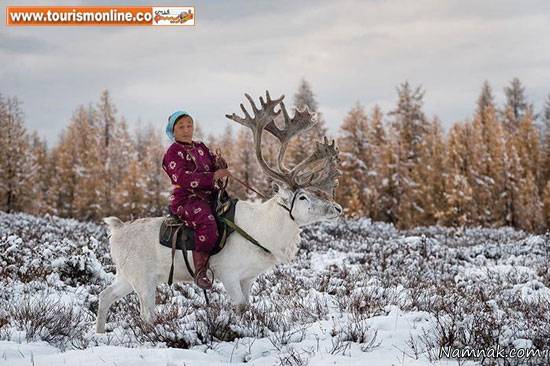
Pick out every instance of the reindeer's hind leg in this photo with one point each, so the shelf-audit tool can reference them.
(233, 287)
(246, 284)
(118, 289)
(146, 290)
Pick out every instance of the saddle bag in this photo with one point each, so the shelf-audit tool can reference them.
(223, 206)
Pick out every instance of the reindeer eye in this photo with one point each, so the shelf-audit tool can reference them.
(303, 198)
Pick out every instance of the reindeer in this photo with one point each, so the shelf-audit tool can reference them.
(302, 195)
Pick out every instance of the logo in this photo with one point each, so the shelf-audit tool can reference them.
(174, 15)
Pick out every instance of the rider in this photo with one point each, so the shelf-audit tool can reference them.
(192, 170)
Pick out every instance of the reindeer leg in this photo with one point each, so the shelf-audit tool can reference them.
(246, 284)
(117, 290)
(233, 287)
(146, 293)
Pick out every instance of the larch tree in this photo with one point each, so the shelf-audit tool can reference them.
(246, 167)
(512, 173)
(496, 170)
(77, 169)
(523, 206)
(529, 206)
(460, 207)
(130, 198)
(390, 180)
(87, 164)
(41, 174)
(355, 159)
(377, 139)
(527, 140)
(485, 98)
(478, 158)
(141, 138)
(230, 151)
(16, 165)
(528, 203)
(121, 155)
(516, 105)
(545, 149)
(63, 188)
(546, 205)
(226, 145)
(430, 177)
(488, 179)
(474, 161)
(106, 130)
(156, 184)
(411, 128)
(50, 200)
(116, 150)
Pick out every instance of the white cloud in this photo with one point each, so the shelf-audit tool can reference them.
(350, 51)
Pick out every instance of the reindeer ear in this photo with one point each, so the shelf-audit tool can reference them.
(283, 192)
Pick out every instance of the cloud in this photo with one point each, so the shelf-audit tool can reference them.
(349, 51)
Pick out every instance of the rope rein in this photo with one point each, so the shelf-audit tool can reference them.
(264, 196)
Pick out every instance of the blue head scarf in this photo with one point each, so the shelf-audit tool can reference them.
(172, 121)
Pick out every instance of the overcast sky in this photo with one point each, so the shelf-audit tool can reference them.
(349, 51)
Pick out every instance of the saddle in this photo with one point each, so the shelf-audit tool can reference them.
(223, 207)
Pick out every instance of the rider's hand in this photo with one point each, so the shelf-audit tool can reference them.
(221, 173)
(219, 163)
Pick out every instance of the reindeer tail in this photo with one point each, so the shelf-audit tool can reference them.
(113, 222)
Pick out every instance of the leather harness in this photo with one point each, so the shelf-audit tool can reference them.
(228, 223)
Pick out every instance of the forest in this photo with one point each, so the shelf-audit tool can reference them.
(398, 166)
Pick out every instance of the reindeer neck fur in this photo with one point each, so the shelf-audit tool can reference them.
(272, 226)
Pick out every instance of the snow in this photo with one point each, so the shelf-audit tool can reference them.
(393, 330)
(320, 261)
(358, 293)
(38, 354)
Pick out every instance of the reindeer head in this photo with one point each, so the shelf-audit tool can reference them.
(308, 188)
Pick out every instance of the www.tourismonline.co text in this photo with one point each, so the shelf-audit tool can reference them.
(493, 352)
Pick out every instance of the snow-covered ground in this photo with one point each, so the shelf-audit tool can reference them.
(359, 293)
(313, 345)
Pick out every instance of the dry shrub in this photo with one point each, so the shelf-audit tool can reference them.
(354, 329)
(286, 335)
(217, 322)
(169, 327)
(51, 320)
(293, 358)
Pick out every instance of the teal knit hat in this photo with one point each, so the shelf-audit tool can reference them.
(172, 122)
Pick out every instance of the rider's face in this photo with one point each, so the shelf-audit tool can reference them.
(183, 130)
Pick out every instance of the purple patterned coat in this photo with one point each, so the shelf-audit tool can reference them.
(191, 170)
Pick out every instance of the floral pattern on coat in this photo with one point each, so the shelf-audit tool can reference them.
(191, 171)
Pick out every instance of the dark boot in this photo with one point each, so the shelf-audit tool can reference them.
(200, 261)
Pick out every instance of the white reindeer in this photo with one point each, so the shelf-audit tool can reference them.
(303, 196)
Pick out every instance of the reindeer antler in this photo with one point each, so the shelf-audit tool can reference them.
(318, 171)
